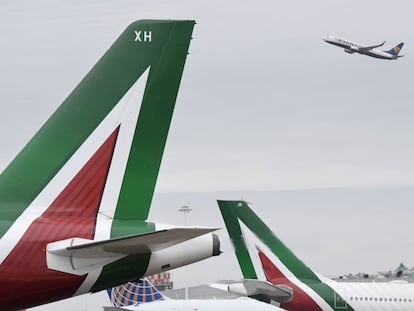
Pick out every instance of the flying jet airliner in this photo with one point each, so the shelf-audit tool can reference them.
(143, 296)
(74, 202)
(260, 253)
(352, 47)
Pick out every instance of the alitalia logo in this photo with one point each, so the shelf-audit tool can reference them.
(121, 120)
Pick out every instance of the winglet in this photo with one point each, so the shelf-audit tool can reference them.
(367, 48)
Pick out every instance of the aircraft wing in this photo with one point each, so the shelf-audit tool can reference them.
(367, 48)
(77, 255)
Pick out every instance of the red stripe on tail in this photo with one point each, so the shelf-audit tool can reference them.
(301, 301)
(24, 274)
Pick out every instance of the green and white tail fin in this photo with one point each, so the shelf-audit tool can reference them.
(92, 167)
(238, 213)
(269, 258)
(127, 101)
(74, 201)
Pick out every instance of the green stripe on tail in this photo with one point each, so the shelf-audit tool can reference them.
(232, 212)
(160, 45)
(169, 47)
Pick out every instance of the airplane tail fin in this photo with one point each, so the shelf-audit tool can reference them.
(102, 148)
(396, 49)
(89, 173)
(401, 267)
(134, 293)
(269, 258)
(233, 213)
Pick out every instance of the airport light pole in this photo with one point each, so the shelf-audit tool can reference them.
(185, 209)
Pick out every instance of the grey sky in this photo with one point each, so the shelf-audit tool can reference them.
(264, 103)
(262, 96)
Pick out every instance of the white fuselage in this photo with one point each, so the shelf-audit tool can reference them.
(353, 47)
(376, 295)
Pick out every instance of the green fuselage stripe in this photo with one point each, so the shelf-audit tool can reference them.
(125, 268)
(129, 268)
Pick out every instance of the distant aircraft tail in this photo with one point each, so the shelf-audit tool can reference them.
(401, 267)
(134, 293)
(269, 258)
(235, 211)
(396, 50)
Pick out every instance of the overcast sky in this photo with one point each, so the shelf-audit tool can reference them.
(264, 103)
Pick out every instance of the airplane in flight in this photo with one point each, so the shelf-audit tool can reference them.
(74, 202)
(352, 47)
(268, 258)
(143, 296)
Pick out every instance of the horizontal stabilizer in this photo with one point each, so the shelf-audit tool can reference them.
(78, 256)
(261, 290)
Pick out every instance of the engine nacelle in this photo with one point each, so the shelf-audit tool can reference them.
(350, 51)
(184, 253)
